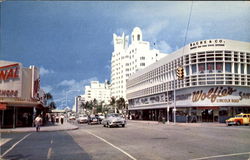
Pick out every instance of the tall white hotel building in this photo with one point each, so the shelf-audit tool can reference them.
(128, 59)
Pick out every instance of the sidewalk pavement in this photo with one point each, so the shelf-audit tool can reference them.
(200, 124)
(56, 127)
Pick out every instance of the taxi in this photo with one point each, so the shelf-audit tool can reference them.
(239, 119)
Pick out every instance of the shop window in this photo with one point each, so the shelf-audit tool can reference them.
(228, 67)
(201, 67)
(219, 67)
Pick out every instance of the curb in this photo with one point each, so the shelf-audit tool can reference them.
(17, 130)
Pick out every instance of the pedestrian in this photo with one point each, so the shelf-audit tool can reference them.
(61, 117)
(38, 122)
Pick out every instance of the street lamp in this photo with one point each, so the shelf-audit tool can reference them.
(67, 95)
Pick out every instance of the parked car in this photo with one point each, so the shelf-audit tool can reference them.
(239, 119)
(82, 119)
(99, 118)
(72, 117)
(92, 119)
(113, 119)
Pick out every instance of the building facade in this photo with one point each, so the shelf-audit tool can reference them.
(216, 83)
(128, 59)
(98, 91)
(21, 98)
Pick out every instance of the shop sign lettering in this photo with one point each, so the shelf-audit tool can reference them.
(9, 72)
(212, 94)
(8, 93)
(244, 95)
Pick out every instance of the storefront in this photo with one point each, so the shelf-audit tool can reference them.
(20, 96)
(215, 83)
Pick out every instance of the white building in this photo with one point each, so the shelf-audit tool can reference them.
(98, 91)
(216, 83)
(79, 100)
(127, 59)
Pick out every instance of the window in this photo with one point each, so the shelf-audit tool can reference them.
(138, 37)
(236, 68)
(201, 67)
(187, 70)
(228, 67)
(210, 67)
(219, 67)
(142, 64)
(194, 70)
(248, 69)
(242, 68)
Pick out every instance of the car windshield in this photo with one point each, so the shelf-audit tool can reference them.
(114, 115)
(238, 116)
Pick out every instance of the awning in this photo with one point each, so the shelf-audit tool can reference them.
(3, 106)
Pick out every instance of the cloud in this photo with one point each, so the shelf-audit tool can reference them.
(67, 82)
(164, 47)
(153, 30)
(47, 88)
(44, 71)
(76, 85)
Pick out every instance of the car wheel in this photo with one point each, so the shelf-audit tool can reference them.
(238, 123)
(123, 125)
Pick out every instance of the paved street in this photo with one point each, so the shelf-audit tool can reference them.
(141, 141)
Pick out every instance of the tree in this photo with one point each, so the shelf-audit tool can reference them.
(48, 97)
(52, 105)
(120, 103)
(112, 102)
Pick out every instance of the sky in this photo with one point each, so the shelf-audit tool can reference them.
(72, 41)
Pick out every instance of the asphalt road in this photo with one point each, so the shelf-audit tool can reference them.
(136, 141)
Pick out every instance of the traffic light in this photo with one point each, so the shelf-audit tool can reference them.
(180, 73)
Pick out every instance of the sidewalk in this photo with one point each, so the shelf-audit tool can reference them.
(200, 124)
(56, 127)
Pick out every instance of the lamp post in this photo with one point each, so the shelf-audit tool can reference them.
(67, 95)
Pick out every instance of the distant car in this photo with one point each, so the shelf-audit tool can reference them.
(113, 119)
(72, 117)
(82, 119)
(92, 119)
(101, 117)
(239, 119)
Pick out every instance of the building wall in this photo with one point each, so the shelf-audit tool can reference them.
(98, 91)
(217, 73)
(128, 59)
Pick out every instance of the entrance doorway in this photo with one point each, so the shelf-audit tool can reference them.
(207, 115)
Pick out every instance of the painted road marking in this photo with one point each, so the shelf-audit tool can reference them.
(219, 156)
(49, 153)
(4, 140)
(112, 145)
(15, 145)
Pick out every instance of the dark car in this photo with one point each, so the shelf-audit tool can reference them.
(92, 119)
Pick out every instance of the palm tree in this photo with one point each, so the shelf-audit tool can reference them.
(120, 103)
(112, 102)
(48, 97)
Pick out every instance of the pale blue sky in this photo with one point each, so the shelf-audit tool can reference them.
(71, 42)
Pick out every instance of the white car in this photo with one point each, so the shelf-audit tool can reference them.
(72, 117)
(82, 119)
(113, 119)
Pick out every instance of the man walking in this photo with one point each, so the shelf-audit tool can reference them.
(38, 122)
